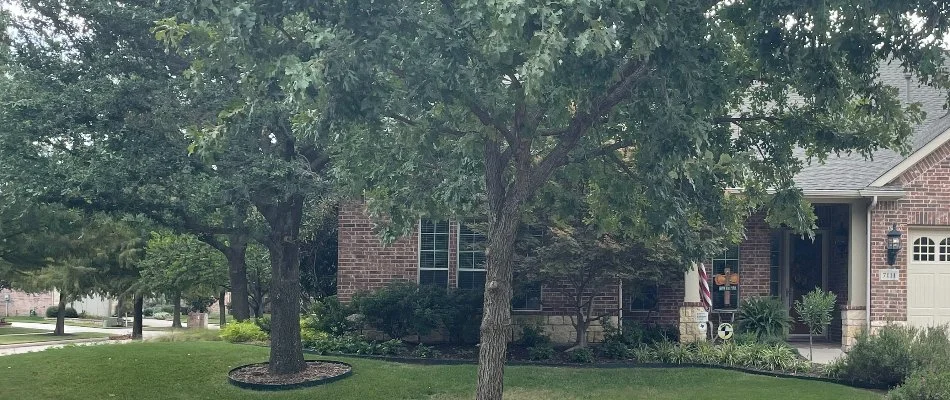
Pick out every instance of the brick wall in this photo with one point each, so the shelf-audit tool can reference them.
(365, 262)
(21, 302)
(927, 202)
(755, 258)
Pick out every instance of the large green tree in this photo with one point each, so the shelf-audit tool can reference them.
(181, 266)
(93, 112)
(488, 99)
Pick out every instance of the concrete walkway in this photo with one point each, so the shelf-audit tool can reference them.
(33, 347)
(824, 353)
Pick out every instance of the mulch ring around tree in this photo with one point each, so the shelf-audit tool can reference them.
(257, 377)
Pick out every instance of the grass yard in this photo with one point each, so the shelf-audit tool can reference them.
(9, 330)
(197, 370)
(48, 337)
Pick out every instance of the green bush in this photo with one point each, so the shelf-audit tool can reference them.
(882, 359)
(634, 334)
(582, 355)
(894, 354)
(148, 312)
(162, 315)
(541, 352)
(392, 347)
(53, 312)
(532, 336)
(241, 332)
(263, 322)
(614, 349)
(927, 384)
(765, 317)
(330, 316)
(402, 308)
(462, 315)
(310, 338)
(423, 351)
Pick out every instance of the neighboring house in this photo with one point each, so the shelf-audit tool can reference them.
(856, 200)
(19, 303)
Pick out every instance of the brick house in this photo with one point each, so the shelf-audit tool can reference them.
(857, 201)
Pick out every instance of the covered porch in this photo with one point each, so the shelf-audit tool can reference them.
(784, 264)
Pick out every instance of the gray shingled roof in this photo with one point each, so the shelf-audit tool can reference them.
(853, 171)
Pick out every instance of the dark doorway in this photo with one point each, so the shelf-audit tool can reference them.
(806, 272)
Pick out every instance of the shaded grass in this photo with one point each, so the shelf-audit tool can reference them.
(9, 330)
(48, 337)
(197, 370)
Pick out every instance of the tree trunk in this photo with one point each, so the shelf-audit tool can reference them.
(60, 329)
(119, 305)
(810, 344)
(496, 320)
(223, 314)
(580, 332)
(286, 353)
(137, 318)
(237, 276)
(176, 313)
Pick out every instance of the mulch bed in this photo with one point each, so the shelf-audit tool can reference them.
(316, 371)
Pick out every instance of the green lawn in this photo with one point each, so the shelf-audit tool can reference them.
(48, 337)
(9, 330)
(196, 370)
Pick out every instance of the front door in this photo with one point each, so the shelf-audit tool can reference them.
(806, 271)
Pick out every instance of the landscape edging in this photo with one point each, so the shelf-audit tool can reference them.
(273, 387)
(610, 365)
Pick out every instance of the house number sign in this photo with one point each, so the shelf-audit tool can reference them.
(891, 274)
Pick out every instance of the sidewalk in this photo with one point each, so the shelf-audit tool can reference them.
(40, 346)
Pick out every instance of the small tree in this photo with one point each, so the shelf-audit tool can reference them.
(814, 310)
(583, 260)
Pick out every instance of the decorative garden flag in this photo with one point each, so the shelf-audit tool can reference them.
(704, 294)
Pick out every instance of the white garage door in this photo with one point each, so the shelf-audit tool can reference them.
(928, 277)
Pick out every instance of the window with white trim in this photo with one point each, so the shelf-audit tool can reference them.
(924, 249)
(945, 249)
(434, 253)
(471, 258)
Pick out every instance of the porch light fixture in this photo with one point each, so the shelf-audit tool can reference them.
(893, 244)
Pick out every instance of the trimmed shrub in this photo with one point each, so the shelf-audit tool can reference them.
(462, 315)
(52, 312)
(581, 355)
(765, 317)
(894, 354)
(162, 315)
(532, 336)
(402, 308)
(148, 312)
(883, 359)
(330, 316)
(541, 352)
(241, 332)
(928, 384)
